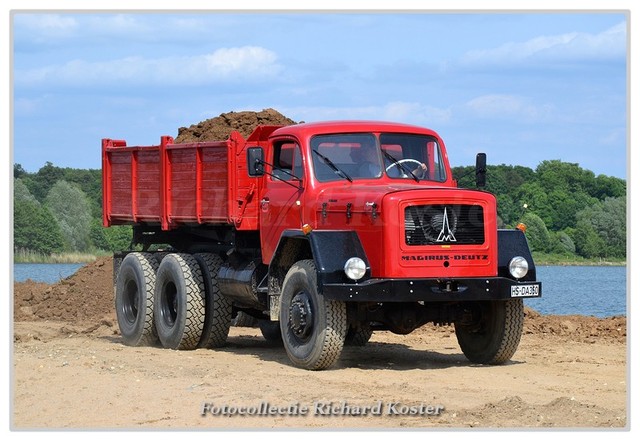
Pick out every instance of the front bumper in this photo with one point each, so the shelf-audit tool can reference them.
(432, 290)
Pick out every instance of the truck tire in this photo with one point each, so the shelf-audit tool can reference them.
(270, 331)
(159, 255)
(179, 309)
(117, 262)
(494, 338)
(313, 328)
(358, 335)
(244, 320)
(134, 295)
(217, 316)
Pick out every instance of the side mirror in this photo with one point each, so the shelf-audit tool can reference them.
(481, 170)
(255, 161)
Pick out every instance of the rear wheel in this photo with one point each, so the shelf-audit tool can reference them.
(358, 335)
(313, 328)
(217, 318)
(135, 284)
(492, 334)
(179, 309)
(270, 331)
(244, 320)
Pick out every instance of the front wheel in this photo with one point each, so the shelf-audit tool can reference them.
(491, 334)
(313, 328)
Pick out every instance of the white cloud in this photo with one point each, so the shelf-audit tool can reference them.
(507, 107)
(26, 106)
(243, 63)
(614, 137)
(45, 21)
(609, 44)
(416, 113)
(115, 24)
(398, 111)
(44, 26)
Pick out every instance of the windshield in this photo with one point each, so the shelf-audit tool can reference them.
(354, 156)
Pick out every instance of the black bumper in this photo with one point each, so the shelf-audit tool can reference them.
(432, 290)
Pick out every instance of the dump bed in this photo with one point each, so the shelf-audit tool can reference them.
(171, 185)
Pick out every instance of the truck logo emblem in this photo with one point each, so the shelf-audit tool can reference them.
(446, 235)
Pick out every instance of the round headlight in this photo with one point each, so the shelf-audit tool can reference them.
(518, 267)
(355, 268)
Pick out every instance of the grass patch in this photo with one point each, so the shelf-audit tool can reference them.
(573, 260)
(28, 256)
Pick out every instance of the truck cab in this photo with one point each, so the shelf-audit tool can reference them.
(375, 208)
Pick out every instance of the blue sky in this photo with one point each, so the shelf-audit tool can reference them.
(522, 87)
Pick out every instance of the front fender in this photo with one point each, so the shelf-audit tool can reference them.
(513, 243)
(328, 249)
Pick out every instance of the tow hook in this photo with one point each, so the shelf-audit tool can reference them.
(448, 286)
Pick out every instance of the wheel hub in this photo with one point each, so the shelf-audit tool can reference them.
(301, 315)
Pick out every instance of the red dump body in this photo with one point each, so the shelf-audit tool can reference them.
(181, 184)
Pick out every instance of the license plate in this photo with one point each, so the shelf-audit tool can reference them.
(525, 291)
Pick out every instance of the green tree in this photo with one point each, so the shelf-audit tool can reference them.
(588, 243)
(115, 238)
(561, 243)
(41, 183)
(34, 228)
(601, 229)
(537, 233)
(531, 198)
(18, 171)
(610, 222)
(569, 177)
(70, 207)
(609, 186)
(21, 192)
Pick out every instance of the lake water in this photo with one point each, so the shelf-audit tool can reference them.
(44, 272)
(600, 291)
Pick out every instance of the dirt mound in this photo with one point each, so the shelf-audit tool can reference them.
(561, 412)
(219, 128)
(87, 296)
(576, 327)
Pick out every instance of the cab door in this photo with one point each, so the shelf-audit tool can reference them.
(281, 203)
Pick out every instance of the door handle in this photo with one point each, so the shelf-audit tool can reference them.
(264, 204)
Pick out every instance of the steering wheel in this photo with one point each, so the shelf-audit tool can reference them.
(403, 161)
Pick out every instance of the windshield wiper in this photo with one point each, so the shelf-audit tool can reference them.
(334, 167)
(400, 165)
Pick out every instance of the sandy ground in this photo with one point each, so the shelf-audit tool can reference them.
(70, 370)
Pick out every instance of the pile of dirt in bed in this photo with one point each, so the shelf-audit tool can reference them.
(219, 128)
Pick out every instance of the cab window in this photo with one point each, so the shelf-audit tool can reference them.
(408, 156)
(287, 162)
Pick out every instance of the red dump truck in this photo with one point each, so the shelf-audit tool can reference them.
(324, 232)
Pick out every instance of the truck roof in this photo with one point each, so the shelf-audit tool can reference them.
(305, 130)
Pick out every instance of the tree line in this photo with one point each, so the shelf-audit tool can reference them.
(59, 210)
(569, 211)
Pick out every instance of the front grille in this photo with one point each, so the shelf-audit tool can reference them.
(444, 224)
